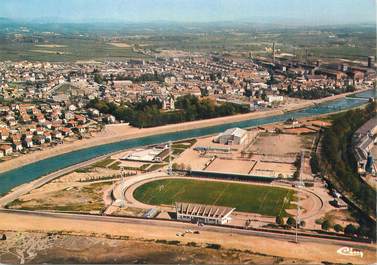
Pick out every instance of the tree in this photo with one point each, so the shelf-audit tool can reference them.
(98, 79)
(279, 220)
(338, 228)
(204, 92)
(362, 231)
(325, 225)
(289, 89)
(248, 93)
(291, 221)
(175, 166)
(350, 230)
(314, 163)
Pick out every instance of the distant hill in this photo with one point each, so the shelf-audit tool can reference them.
(7, 21)
(4, 19)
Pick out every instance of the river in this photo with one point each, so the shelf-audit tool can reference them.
(27, 173)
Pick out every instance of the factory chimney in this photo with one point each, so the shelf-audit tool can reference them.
(370, 61)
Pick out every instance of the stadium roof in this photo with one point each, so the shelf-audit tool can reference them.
(203, 210)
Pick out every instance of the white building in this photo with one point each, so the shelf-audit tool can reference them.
(232, 136)
(202, 213)
(273, 98)
(151, 155)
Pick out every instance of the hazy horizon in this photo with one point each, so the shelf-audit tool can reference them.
(306, 12)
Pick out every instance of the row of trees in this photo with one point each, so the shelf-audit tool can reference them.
(156, 77)
(148, 113)
(338, 159)
(318, 93)
(147, 77)
(350, 229)
(338, 154)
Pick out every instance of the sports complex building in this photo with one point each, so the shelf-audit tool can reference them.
(208, 214)
(148, 155)
(231, 136)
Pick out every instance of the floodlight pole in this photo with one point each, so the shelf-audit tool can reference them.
(170, 167)
(300, 183)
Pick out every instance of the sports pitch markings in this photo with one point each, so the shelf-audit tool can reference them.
(265, 200)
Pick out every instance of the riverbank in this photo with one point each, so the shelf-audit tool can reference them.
(119, 132)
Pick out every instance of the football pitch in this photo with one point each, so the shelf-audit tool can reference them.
(265, 200)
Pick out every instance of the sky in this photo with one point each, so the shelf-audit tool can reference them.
(315, 12)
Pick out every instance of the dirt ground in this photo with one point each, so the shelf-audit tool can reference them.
(120, 44)
(274, 169)
(316, 252)
(66, 196)
(277, 144)
(38, 248)
(234, 166)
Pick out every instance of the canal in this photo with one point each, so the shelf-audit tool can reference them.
(27, 173)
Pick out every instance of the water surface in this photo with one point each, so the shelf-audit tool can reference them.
(27, 173)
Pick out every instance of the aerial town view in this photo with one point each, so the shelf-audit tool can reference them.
(188, 132)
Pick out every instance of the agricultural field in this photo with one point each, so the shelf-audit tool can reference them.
(65, 50)
(71, 43)
(271, 201)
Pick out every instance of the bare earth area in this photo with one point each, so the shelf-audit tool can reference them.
(38, 248)
(278, 144)
(313, 251)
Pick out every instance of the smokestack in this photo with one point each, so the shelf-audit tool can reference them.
(370, 61)
(273, 52)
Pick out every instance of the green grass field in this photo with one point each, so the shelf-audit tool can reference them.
(264, 200)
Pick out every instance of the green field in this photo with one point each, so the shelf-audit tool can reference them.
(264, 200)
(70, 43)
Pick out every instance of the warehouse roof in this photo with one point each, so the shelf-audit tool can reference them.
(235, 132)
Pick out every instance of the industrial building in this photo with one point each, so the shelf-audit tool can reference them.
(234, 136)
(208, 214)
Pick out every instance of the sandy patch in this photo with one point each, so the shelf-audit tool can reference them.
(234, 166)
(50, 52)
(276, 144)
(120, 44)
(50, 45)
